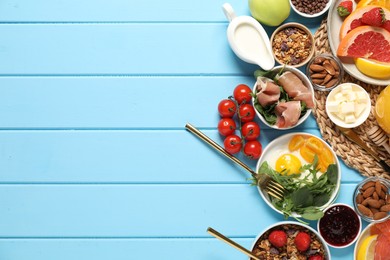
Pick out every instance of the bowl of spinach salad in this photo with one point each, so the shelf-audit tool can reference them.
(309, 170)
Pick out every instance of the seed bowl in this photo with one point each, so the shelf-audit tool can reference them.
(264, 249)
(289, 153)
(261, 107)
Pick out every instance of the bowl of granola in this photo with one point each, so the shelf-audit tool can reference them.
(292, 44)
(290, 240)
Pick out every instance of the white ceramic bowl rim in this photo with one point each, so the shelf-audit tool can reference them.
(281, 223)
(288, 137)
(363, 117)
(326, 8)
(360, 225)
(305, 81)
(361, 235)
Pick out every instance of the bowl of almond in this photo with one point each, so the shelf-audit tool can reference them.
(325, 72)
(372, 199)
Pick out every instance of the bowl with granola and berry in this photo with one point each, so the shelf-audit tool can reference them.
(292, 44)
(290, 240)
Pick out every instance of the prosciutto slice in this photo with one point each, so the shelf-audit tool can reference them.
(268, 92)
(287, 113)
(295, 88)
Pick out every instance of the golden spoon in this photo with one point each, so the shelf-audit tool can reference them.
(231, 243)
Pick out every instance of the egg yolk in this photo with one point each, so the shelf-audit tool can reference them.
(288, 164)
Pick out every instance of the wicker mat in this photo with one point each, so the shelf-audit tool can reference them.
(350, 153)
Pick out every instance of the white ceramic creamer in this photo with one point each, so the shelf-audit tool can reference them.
(248, 39)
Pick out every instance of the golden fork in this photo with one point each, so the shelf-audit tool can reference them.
(265, 182)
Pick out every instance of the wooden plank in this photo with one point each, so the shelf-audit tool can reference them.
(116, 10)
(125, 249)
(115, 102)
(118, 49)
(135, 211)
(124, 11)
(122, 157)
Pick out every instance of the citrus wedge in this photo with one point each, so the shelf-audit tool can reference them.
(383, 3)
(372, 68)
(366, 250)
(366, 42)
(356, 15)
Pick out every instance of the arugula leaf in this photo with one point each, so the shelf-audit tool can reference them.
(303, 196)
(312, 213)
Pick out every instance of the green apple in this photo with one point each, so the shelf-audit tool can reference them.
(270, 12)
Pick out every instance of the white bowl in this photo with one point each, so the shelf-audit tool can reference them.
(300, 227)
(275, 148)
(338, 227)
(305, 81)
(362, 117)
(326, 8)
(364, 234)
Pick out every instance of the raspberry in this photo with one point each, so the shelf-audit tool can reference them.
(278, 238)
(302, 241)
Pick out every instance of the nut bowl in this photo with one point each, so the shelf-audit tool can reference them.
(267, 95)
(325, 72)
(348, 105)
(371, 199)
(290, 154)
(290, 232)
(292, 44)
(308, 9)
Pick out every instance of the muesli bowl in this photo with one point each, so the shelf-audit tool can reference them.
(309, 170)
(276, 96)
(292, 239)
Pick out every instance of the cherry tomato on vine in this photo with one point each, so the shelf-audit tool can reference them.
(232, 144)
(253, 149)
(226, 126)
(250, 131)
(246, 113)
(242, 94)
(227, 108)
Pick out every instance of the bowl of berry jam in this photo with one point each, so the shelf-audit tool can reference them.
(340, 226)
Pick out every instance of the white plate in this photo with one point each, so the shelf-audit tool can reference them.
(334, 24)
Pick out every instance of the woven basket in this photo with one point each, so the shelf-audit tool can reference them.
(353, 156)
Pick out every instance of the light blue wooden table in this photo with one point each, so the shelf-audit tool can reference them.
(95, 162)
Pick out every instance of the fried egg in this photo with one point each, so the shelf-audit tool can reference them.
(284, 161)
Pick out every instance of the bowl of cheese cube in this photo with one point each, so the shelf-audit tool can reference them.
(348, 105)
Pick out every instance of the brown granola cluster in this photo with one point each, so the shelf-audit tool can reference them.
(264, 250)
(291, 45)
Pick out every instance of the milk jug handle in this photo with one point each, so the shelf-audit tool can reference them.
(229, 12)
